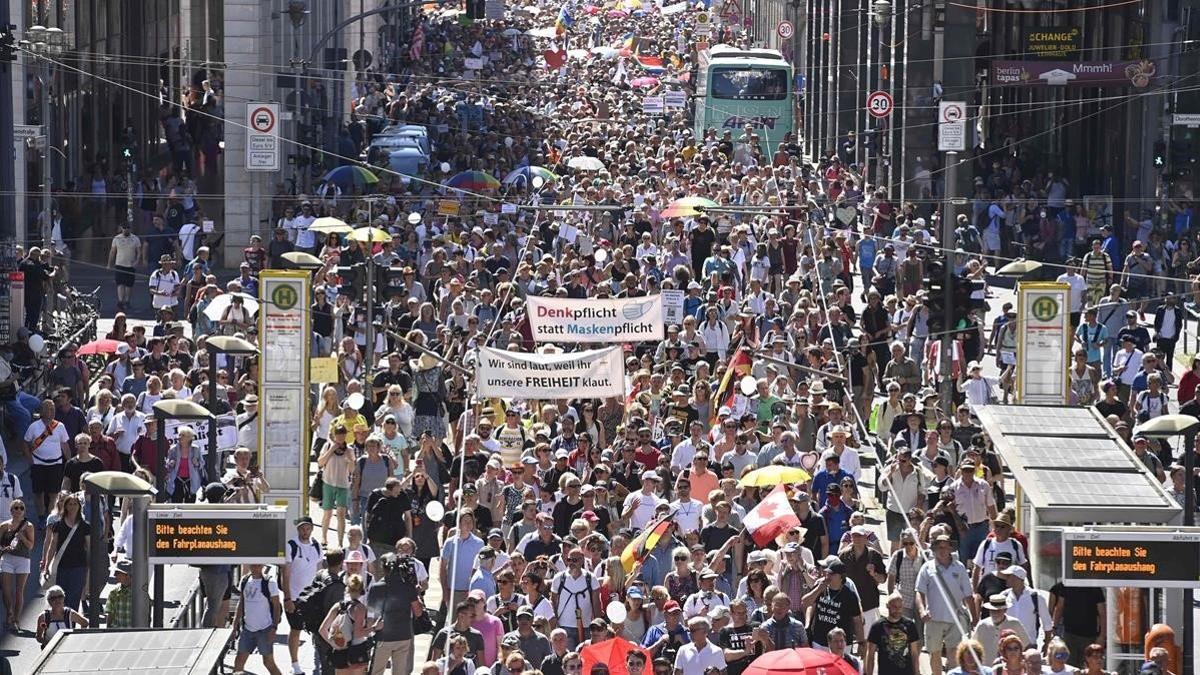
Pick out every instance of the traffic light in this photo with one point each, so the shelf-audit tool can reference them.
(1160, 154)
(8, 43)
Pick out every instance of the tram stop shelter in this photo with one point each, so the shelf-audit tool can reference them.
(195, 651)
(1096, 516)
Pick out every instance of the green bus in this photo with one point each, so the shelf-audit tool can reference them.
(745, 86)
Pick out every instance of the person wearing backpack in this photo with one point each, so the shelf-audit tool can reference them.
(348, 630)
(302, 561)
(575, 596)
(315, 601)
(388, 517)
(257, 619)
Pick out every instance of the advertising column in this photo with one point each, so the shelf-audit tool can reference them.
(286, 337)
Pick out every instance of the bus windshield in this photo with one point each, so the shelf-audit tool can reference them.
(749, 84)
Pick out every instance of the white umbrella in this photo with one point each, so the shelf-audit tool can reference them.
(586, 163)
(509, 32)
(217, 307)
(548, 32)
(578, 54)
(606, 52)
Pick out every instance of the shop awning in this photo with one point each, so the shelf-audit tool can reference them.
(1074, 468)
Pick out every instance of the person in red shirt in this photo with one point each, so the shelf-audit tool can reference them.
(145, 448)
(647, 453)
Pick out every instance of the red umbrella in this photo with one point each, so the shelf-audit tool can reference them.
(99, 347)
(612, 654)
(799, 661)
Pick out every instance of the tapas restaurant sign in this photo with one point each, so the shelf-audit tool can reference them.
(1073, 73)
(1051, 43)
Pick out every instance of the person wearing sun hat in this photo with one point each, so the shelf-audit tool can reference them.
(997, 621)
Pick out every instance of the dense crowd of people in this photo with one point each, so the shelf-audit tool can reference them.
(804, 343)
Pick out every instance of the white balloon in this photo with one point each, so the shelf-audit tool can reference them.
(435, 511)
(748, 385)
(37, 343)
(508, 141)
(616, 612)
(601, 255)
(445, 167)
(538, 182)
(414, 218)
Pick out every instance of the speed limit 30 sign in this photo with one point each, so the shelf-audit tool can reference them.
(879, 104)
(785, 30)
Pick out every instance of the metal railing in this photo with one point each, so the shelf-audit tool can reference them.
(191, 610)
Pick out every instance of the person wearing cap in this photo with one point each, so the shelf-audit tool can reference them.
(830, 474)
(1028, 605)
(939, 605)
(987, 631)
(164, 284)
(639, 507)
(1000, 540)
(976, 503)
(835, 604)
(302, 560)
(118, 607)
(1126, 364)
(664, 639)
(865, 568)
(895, 640)
(575, 596)
(707, 597)
(535, 646)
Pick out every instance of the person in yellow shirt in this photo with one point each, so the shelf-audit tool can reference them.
(350, 416)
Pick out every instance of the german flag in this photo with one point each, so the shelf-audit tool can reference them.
(637, 550)
(738, 367)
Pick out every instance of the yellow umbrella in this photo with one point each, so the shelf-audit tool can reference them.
(371, 234)
(774, 474)
(329, 225)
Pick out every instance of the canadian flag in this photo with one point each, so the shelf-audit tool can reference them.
(772, 517)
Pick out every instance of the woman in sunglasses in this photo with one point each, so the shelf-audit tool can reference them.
(16, 540)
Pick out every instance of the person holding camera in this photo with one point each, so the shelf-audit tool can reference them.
(244, 479)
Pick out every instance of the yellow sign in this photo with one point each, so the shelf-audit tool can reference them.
(323, 369)
(447, 207)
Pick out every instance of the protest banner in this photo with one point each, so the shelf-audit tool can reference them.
(673, 306)
(595, 320)
(227, 437)
(590, 374)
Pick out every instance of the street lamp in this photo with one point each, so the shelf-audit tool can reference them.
(297, 11)
(128, 486)
(220, 344)
(47, 44)
(881, 12)
(168, 409)
(1166, 426)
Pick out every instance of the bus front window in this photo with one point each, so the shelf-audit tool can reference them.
(749, 84)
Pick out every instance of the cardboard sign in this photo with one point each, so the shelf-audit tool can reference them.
(447, 207)
(323, 369)
(675, 99)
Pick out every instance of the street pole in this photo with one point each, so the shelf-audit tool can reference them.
(213, 467)
(48, 211)
(947, 348)
(8, 161)
(1189, 519)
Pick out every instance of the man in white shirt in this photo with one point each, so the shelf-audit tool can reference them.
(1027, 605)
(848, 455)
(302, 561)
(687, 510)
(1078, 286)
(999, 542)
(1126, 363)
(705, 599)
(164, 284)
(123, 256)
(697, 656)
(258, 615)
(681, 456)
(125, 428)
(639, 507)
(575, 596)
(47, 441)
(306, 240)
